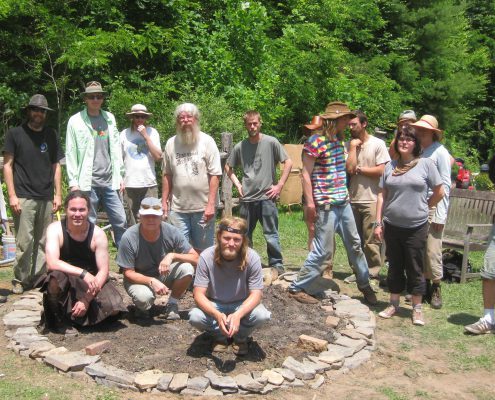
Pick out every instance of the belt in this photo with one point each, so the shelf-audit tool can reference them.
(328, 207)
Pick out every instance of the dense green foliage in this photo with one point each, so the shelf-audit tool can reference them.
(286, 59)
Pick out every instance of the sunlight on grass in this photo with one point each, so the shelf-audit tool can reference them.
(392, 394)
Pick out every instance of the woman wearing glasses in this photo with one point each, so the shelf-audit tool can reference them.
(402, 219)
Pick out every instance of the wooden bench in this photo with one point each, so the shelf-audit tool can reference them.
(469, 223)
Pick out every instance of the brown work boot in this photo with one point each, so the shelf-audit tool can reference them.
(303, 297)
(369, 295)
(436, 296)
(240, 347)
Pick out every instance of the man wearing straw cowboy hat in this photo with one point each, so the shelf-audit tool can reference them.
(140, 150)
(430, 136)
(327, 200)
(94, 158)
(32, 171)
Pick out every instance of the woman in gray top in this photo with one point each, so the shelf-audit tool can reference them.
(402, 205)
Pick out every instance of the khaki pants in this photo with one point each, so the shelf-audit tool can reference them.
(132, 202)
(365, 215)
(30, 228)
(433, 259)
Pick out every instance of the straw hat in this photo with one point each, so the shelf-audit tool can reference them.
(93, 87)
(38, 100)
(407, 115)
(430, 123)
(139, 109)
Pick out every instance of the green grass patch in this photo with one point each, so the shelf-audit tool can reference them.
(391, 394)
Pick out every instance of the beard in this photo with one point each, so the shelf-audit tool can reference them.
(189, 134)
(228, 254)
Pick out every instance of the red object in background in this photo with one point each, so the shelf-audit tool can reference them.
(463, 178)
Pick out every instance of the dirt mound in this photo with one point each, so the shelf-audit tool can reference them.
(177, 347)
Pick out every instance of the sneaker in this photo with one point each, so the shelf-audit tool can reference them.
(17, 288)
(417, 317)
(369, 295)
(240, 347)
(303, 297)
(141, 314)
(480, 327)
(389, 312)
(436, 297)
(350, 279)
(172, 311)
(221, 345)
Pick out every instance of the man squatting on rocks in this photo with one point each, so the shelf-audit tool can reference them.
(258, 155)
(155, 257)
(191, 176)
(327, 200)
(76, 288)
(32, 170)
(228, 288)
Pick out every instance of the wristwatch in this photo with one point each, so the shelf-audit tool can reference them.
(377, 224)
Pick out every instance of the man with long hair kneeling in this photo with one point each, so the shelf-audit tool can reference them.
(228, 288)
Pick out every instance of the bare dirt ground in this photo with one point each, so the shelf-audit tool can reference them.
(405, 365)
(175, 346)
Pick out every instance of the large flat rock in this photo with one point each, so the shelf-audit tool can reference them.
(72, 361)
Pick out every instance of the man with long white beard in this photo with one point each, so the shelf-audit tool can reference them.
(191, 175)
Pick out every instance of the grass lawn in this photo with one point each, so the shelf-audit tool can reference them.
(400, 345)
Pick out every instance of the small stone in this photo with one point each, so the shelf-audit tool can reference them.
(300, 370)
(354, 334)
(366, 332)
(286, 373)
(317, 382)
(246, 382)
(224, 383)
(273, 377)
(147, 379)
(411, 374)
(198, 383)
(328, 309)
(440, 371)
(357, 359)
(97, 348)
(179, 382)
(317, 365)
(353, 344)
(191, 392)
(267, 276)
(74, 361)
(164, 382)
(269, 388)
(334, 354)
(312, 343)
(38, 348)
(296, 383)
(332, 321)
(111, 373)
(212, 392)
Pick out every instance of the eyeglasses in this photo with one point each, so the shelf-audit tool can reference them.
(140, 116)
(185, 117)
(155, 207)
(405, 139)
(38, 109)
(94, 97)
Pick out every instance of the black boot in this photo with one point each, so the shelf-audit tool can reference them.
(54, 317)
(427, 296)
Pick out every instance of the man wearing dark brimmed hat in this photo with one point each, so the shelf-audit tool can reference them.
(94, 158)
(32, 171)
(327, 201)
(429, 135)
(141, 148)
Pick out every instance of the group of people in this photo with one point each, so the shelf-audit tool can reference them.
(357, 189)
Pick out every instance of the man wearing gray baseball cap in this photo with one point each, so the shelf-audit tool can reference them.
(33, 176)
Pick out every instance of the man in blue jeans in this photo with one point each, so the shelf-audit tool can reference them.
(258, 155)
(94, 158)
(228, 288)
(327, 202)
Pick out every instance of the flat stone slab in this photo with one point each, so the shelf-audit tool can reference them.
(246, 382)
(147, 379)
(300, 370)
(32, 304)
(14, 323)
(318, 381)
(110, 373)
(288, 375)
(73, 361)
(212, 392)
(318, 365)
(178, 382)
(164, 382)
(354, 334)
(198, 383)
(353, 344)
(357, 359)
(56, 350)
(36, 349)
(113, 384)
(26, 340)
(366, 332)
(224, 383)
(273, 377)
(332, 321)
